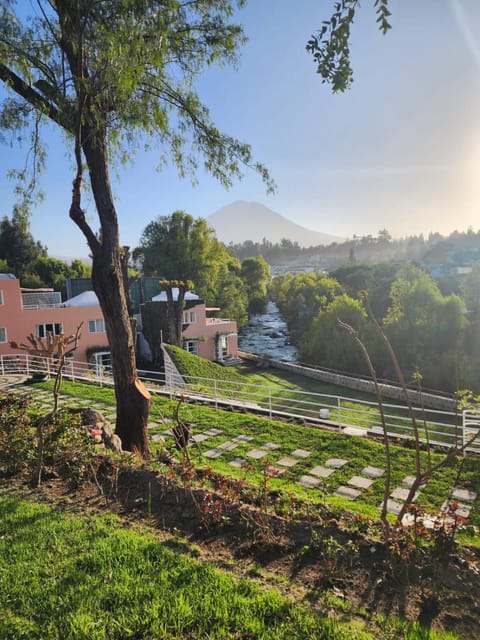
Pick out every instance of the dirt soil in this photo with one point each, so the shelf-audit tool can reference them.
(308, 559)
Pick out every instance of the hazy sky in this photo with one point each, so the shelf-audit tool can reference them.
(400, 150)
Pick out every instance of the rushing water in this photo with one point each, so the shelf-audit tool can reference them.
(267, 334)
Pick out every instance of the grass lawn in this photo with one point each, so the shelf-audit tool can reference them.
(65, 577)
(323, 444)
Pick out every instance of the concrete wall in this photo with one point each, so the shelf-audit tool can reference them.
(359, 384)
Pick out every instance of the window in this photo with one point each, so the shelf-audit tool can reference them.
(1, 297)
(96, 326)
(191, 346)
(189, 317)
(3, 334)
(55, 328)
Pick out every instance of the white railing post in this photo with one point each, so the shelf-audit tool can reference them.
(215, 393)
(339, 404)
(1, 365)
(28, 364)
(270, 402)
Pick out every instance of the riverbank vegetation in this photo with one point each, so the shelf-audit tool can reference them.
(434, 334)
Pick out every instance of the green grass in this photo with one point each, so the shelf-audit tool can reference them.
(89, 578)
(324, 444)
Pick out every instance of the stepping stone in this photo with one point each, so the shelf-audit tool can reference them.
(462, 510)
(274, 471)
(308, 481)
(213, 453)
(336, 462)
(321, 472)
(361, 483)
(347, 492)
(301, 453)
(271, 446)
(372, 472)
(156, 436)
(168, 432)
(392, 507)
(228, 446)
(402, 494)
(238, 462)
(242, 438)
(256, 453)
(408, 481)
(355, 431)
(463, 494)
(288, 462)
(213, 432)
(111, 416)
(152, 425)
(200, 437)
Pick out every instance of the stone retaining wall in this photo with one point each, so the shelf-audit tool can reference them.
(359, 384)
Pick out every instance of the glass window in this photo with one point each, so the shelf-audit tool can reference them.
(189, 317)
(55, 328)
(191, 346)
(96, 326)
(1, 297)
(3, 334)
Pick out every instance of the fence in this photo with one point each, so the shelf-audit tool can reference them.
(438, 427)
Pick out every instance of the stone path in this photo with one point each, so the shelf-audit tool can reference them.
(315, 476)
(311, 476)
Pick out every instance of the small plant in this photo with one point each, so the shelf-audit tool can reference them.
(17, 447)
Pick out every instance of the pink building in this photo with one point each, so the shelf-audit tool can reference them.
(23, 312)
(211, 338)
(40, 311)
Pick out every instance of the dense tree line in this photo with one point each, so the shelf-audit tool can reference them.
(436, 336)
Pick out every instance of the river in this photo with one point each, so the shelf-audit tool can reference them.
(267, 334)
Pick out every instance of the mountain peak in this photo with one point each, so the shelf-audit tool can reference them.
(242, 220)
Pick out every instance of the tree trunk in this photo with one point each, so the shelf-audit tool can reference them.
(133, 399)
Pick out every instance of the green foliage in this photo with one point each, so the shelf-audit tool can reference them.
(17, 247)
(330, 48)
(327, 344)
(425, 328)
(17, 442)
(139, 68)
(182, 248)
(301, 297)
(256, 276)
(190, 365)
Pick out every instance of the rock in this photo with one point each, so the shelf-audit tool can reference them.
(110, 438)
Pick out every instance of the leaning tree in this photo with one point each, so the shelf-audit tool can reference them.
(112, 74)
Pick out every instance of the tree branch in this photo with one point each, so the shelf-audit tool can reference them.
(21, 88)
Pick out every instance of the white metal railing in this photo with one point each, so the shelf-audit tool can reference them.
(436, 427)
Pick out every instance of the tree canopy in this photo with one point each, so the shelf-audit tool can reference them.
(112, 76)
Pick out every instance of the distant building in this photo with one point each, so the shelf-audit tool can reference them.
(41, 311)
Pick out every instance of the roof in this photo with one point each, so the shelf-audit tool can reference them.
(162, 297)
(7, 276)
(85, 299)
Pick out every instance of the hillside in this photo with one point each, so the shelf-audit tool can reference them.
(253, 221)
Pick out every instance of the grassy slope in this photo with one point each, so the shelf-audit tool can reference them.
(78, 578)
(360, 452)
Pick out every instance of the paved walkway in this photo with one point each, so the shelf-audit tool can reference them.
(11, 380)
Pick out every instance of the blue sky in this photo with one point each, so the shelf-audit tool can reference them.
(400, 150)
